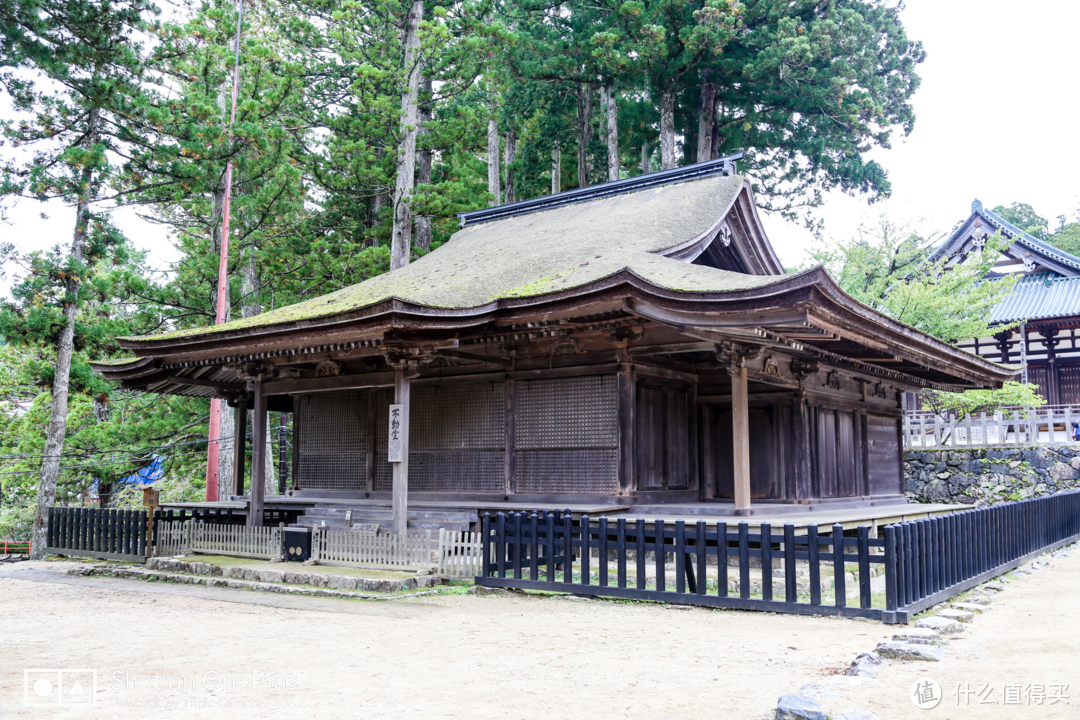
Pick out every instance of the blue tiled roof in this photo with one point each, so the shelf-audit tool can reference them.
(1039, 296)
(1012, 232)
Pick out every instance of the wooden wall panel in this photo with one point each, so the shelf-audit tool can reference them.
(764, 455)
(883, 456)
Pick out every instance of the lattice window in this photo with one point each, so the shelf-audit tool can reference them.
(334, 441)
(566, 437)
(457, 439)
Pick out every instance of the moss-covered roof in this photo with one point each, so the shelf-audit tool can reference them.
(545, 252)
(117, 361)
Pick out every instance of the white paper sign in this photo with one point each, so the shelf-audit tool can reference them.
(394, 445)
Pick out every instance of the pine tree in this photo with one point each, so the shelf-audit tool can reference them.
(73, 72)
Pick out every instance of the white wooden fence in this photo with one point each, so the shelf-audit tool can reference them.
(1008, 427)
(173, 538)
(460, 553)
(456, 554)
(170, 538)
(331, 546)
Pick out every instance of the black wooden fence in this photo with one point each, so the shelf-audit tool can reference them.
(692, 564)
(96, 532)
(940, 557)
(715, 564)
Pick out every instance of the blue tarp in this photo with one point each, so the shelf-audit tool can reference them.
(146, 475)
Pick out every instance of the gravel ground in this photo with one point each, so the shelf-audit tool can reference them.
(182, 651)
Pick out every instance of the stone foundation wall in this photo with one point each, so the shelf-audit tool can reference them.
(986, 476)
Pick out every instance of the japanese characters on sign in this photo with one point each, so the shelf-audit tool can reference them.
(395, 447)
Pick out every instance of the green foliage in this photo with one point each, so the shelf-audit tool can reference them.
(1024, 217)
(888, 269)
(973, 402)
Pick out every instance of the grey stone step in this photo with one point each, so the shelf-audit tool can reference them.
(340, 589)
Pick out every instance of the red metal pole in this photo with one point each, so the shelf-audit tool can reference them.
(213, 453)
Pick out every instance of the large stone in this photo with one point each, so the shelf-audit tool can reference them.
(865, 665)
(977, 599)
(959, 615)
(909, 651)
(976, 608)
(1061, 471)
(798, 707)
(941, 625)
(919, 636)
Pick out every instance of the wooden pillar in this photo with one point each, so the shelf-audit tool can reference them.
(627, 403)
(239, 445)
(400, 506)
(258, 456)
(740, 427)
(708, 453)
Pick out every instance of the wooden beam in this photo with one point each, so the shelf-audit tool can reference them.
(740, 427)
(462, 354)
(239, 447)
(756, 397)
(228, 387)
(337, 382)
(400, 497)
(258, 456)
(787, 316)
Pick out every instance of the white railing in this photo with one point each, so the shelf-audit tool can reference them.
(460, 553)
(365, 549)
(238, 540)
(170, 538)
(1008, 427)
(457, 554)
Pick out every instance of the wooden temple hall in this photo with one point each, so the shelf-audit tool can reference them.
(631, 347)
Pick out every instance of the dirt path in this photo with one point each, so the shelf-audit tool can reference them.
(1030, 636)
(489, 657)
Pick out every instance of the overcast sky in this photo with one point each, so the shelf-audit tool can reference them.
(996, 120)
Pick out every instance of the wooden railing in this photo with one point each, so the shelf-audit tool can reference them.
(460, 553)
(1008, 427)
(816, 572)
(363, 549)
(97, 532)
(235, 540)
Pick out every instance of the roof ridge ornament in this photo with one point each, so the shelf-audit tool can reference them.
(721, 166)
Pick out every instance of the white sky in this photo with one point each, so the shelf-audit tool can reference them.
(996, 120)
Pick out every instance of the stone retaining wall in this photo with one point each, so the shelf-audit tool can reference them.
(985, 476)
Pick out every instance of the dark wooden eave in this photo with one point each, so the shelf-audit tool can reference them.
(806, 313)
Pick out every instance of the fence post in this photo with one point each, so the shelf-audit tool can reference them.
(602, 551)
(790, 586)
(864, 566)
(765, 532)
(890, 568)
(839, 578)
(534, 546)
(721, 559)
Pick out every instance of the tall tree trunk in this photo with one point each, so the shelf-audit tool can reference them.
(584, 131)
(706, 122)
(401, 237)
(646, 158)
(423, 172)
(556, 168)
(612, 132)
(667, 130)
(510, 155)
(65, 348)
(493, 159)
(250, 307)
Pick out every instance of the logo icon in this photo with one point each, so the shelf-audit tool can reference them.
(59, 687)
(926, 693)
